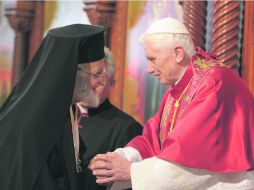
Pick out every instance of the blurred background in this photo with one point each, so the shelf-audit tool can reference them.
(224, 28)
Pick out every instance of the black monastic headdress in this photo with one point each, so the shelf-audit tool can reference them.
(36, 114)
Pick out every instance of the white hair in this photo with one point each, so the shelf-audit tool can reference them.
(169, 41)
(110, 65)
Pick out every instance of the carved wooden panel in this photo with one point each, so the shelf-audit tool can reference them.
(226, 22)
(101, 12)
(194, 15)
(20, 16)
(118, 46)
(36, 33)
(112, 15)
(248, 45)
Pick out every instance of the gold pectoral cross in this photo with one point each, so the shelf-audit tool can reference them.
(176, 106)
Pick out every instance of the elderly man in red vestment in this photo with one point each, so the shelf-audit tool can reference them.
(202, 136)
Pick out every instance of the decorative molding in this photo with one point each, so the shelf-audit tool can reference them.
(20, 16)
(194, 15)
(226, 29)
(118, 47)
(20, 59)
(20, 24)
(113, 15)
(101, 12)
(37, 28)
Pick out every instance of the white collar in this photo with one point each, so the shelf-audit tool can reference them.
(81, 108)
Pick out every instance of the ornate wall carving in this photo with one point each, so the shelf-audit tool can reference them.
(118, 46)
(226, 28)
(101, 12)
(194, 15)
(36, 33)
(113, 15)
(20, 16)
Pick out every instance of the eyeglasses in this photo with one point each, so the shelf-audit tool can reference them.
(99, 75)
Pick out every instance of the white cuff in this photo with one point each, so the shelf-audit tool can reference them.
(129, 153)
(156, 174)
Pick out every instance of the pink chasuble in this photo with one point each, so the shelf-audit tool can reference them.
(214, 126)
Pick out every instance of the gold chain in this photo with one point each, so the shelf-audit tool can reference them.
(176, 106)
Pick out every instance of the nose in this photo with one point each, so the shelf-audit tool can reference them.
(150, 68)
(99, 81)
(96, 82)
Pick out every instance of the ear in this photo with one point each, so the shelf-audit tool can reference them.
(179, 54)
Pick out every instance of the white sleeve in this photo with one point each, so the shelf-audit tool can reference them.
(154, 173)
(129, 153)
(157, 174)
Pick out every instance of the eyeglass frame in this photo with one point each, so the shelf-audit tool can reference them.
(95, 75)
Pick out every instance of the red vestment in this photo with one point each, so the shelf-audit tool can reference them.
(214, 125)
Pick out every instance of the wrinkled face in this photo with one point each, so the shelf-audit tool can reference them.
(104, 91)
(161, 63)
(89, 77)
(97, 73)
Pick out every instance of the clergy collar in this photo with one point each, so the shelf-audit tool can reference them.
(81, 108)
(181, 84)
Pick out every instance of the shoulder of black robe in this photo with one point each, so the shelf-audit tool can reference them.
(34, 116)
(106, 129)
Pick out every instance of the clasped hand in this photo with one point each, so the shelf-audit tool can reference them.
(110, 167)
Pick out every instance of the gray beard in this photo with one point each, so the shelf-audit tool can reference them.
(88, 97)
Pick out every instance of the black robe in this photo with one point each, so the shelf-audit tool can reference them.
(36, 146)
(106, 129)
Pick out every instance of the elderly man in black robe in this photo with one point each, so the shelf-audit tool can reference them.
(36, 132)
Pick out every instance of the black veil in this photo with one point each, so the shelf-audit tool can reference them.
(35, 116)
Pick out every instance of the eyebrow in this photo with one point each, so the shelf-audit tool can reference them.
(150, 57)
(100, 70)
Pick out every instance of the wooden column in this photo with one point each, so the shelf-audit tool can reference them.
(226, 29)
(20, 16)
(37, 29)
(118, 46)
(194, 15)
(101, 12)
(112, 15)
(248, 45)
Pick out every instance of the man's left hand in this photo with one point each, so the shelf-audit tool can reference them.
(110, 167)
